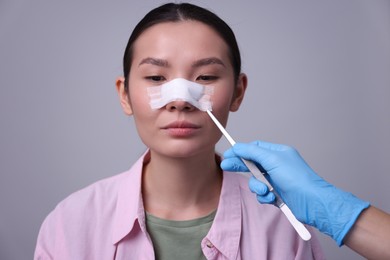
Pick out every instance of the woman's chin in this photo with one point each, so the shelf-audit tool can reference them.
(181, 149)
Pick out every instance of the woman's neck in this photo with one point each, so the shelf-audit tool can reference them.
(181, 188)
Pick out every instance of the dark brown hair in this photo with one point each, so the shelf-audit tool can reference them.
(173, 12)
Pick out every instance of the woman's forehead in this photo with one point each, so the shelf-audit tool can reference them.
(189, 38)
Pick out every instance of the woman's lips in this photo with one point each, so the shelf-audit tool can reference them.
(181, 128)
(181, 124)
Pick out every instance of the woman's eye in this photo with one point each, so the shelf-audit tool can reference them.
(155, 78)
(206, 78)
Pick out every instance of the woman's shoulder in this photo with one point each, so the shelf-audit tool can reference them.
(97, 194)
(84, 216)
(100, 198)
(86, 207)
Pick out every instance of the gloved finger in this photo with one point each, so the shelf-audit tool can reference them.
(267, 199)
(258, 187)
(233, 164)
(263, 194)
(250, 152)
(229, 153)
(270, 146)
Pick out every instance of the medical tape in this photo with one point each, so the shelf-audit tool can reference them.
(183, 90)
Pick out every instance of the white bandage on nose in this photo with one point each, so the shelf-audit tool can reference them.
(183, 90)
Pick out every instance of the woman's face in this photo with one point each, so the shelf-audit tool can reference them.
(189, 50)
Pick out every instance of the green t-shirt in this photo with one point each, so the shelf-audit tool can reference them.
(178, 239)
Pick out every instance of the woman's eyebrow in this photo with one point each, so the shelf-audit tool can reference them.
(208, 61)
(198, 63)
(154, 61)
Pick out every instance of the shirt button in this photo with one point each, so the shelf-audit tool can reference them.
(209, 244)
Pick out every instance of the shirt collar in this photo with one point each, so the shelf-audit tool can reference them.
(227, 222)
(130, 206)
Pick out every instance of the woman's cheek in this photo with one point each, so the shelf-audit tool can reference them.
(140, 101)
(222, 99)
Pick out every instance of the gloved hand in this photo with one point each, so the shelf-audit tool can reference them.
(312, 200)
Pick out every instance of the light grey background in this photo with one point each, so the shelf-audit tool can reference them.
(319, 79)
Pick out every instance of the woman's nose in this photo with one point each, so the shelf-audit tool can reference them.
(179, 105)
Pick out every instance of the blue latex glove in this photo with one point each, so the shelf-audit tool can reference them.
(312, 200)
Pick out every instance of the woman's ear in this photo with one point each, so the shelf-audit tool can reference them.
(123, 96)
(239, 92)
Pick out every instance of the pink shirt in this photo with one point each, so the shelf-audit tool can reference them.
(107, 221)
